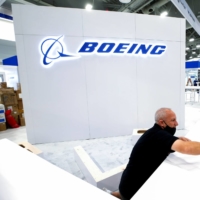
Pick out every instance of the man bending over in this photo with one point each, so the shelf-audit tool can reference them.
(151, 150)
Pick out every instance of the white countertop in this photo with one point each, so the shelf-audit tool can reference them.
(25, 176)
(192, 87)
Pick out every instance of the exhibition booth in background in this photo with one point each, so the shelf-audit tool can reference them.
(88, 77)
(8, 72)
(192, 71)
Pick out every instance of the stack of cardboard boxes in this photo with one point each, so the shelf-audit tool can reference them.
(12, 100)
(18, 93)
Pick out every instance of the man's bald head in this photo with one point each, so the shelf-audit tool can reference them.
(166, 117)
(162, 113)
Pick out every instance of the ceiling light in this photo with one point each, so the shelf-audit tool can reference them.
(190, 56)
(191, 39)
(88, 7)
(187, 48)
(193, 52)
(163, 14)
(198, 46)
(125, 1)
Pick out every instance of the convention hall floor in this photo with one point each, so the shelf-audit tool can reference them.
(107, 153)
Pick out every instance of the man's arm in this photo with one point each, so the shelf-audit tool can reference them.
(184, 139)
(186, 147)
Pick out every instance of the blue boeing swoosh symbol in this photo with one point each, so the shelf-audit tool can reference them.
(60, 54)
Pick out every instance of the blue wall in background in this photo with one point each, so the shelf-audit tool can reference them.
(10, 61)
(192, 64)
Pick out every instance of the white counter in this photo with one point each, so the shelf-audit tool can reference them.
(25, 176)
(192, 87)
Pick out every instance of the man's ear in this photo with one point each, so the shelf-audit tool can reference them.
(161, 123)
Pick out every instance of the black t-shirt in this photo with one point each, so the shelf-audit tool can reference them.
(148, 153)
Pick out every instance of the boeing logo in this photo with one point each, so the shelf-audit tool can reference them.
(52, 49)
(122, 48)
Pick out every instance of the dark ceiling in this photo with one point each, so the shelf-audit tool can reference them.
(151, 7)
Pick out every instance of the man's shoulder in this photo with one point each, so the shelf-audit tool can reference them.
(158, 132)
(156, 128)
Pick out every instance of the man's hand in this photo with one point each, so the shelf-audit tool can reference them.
(184, 139)
(123, 168)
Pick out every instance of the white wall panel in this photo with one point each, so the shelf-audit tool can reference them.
(23, 76)
(108, 24)
(157, 28)
(158, 84)
(42, 21)
(181, 118)
(17, 26)
(111, 86)
(57, 96)
(182, 31)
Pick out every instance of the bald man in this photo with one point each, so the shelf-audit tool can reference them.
(151, 150)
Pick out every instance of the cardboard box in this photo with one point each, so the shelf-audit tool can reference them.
(13, 108)
(21, 113)
(18, 94)
(19, 87)
(9, 91)
(9, 99)
(3, 84)
(3, 91)
(11, 88)
(2, 126)
(22, 121)
(20, 104)
(6, 90)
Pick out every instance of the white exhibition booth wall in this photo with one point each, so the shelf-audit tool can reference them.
(91, 74)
